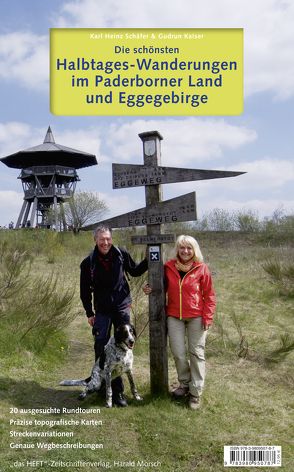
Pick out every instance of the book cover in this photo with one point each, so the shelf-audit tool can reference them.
(69, 102)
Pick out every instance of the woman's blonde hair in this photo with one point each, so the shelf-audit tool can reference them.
(185, 240)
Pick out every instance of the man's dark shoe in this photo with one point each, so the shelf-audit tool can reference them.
(119, 400)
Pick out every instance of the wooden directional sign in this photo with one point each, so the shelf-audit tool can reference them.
(132, 175)
(177, 209)
(153, 239)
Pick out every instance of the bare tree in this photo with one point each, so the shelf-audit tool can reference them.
(84, 208)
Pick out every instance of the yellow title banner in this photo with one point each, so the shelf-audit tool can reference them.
(166, 72)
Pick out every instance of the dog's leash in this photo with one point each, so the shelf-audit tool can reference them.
(143, 330)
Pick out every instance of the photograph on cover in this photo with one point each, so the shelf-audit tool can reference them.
(146, 235)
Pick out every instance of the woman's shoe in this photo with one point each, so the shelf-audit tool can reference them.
(194, 402)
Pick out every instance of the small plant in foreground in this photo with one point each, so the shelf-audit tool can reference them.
(281, 275)
(32, 308)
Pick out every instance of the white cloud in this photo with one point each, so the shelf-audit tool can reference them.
(185, 142)
(85, 139)
(15, 136)
(262, 188)
(24, 57)
(263, 208)
(266, 176)
(268, 36)
(268, 30)
(120, 203)
(267, 173)
(10, 205)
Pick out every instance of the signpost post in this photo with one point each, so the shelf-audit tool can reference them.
(157, 212)
(157, 317)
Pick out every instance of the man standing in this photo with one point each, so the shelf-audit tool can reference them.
(103, 275)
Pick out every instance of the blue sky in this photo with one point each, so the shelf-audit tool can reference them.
(260, 141)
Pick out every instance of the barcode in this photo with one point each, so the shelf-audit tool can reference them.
(254, 456)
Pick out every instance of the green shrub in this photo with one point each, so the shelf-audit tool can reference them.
(281, 275)
(279, 354)
(32, 308)
(15, 267)
(247, 221)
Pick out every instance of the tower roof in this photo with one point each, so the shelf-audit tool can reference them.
(49, 153)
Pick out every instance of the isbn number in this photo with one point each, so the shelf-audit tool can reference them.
(252, 456)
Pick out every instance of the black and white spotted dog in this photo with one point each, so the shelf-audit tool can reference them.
(118, 360)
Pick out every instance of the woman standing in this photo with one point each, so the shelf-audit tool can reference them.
(190, 307)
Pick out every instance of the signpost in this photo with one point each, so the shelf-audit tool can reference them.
(181, 208)
(132, 175)
(157, 212)
(157, 316)
(160, 238)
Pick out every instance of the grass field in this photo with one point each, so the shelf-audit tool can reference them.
(248, 398)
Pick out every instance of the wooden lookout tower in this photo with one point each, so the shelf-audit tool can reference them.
(49, 177)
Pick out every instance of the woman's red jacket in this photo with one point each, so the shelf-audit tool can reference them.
(191, 296)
